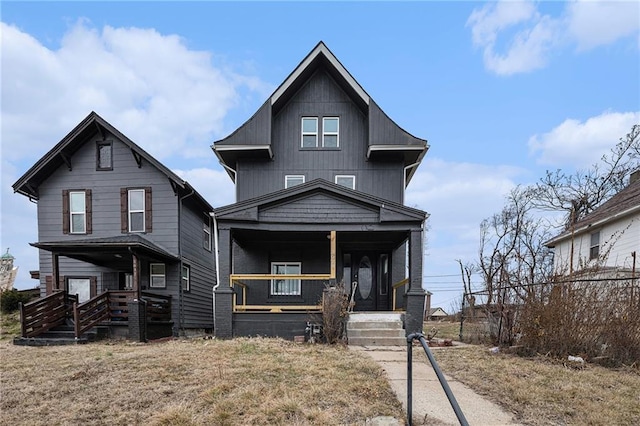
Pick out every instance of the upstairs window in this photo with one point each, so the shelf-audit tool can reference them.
(346, 180)
(293, 180)
(594, 248)
(330, 134)
(104, 156)
(135, 209)
(309, 132)
(76, 211)
(285, 287)
(206, 228)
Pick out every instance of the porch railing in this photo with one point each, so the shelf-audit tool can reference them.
(395, 288)
(241, 282)
(43, 314)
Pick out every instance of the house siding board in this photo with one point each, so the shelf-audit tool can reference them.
(320, 96)
(105, 187)
(321, 208)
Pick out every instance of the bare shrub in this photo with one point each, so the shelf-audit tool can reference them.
(596, 319)
(334, 314)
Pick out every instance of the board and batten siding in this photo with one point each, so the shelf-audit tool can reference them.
(320, 97)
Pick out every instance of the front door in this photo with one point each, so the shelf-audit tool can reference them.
(369, 281)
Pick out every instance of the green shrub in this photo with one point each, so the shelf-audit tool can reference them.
(10, 300)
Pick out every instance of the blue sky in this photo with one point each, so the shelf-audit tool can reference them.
(502, 92)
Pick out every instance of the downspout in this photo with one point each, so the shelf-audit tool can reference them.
(180, 289)
(217, 260)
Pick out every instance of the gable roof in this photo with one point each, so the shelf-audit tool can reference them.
(247, 210)
(253, 138)
(624, 203)
(63, 151)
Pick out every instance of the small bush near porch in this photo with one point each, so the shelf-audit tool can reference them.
(192, 382)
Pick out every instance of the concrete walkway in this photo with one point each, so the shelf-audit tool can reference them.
(430, 403)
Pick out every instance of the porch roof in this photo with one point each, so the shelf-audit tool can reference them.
(381, 210)
(113, 252)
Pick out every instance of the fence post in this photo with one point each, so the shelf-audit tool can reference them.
(76, 320)
(23, 326)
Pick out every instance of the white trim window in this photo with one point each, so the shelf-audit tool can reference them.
(78, 212)
(157, 275)
(293, 180)
(206, 230)
(309, 132)
(136, 210)
(330, 132)
(594, 247)
(346, 180)
(285, 287)
(186, 278)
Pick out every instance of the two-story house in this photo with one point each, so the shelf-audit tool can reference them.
(320, 173)
(606, 241)
(111, 218)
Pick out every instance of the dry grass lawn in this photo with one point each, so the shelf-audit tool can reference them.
(543, 391)
(191, 382)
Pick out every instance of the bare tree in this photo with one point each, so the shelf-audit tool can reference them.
(578, 194)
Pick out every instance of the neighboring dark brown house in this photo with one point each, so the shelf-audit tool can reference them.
(320, 173)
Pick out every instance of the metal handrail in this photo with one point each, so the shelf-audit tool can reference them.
(443, 382)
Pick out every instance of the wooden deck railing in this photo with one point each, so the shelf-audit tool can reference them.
(158, 306)
(43, 314)
(88, 314)
(395, 288)
(242, 306)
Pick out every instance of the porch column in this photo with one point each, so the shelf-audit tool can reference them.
(223, 294)
(55, 268)
(135, 276)
(414, 316)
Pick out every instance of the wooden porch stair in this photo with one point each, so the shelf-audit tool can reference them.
(62, 335)
(375, 329)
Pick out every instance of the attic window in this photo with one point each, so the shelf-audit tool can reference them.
(330, 126)
(309, 132)
(293, 180)
(346, 180)
(104, 156)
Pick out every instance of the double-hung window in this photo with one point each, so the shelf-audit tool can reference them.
(330, 132)
(77, 212)
(594, 248)
(287, 286)
(136, 210)
(206, 229)
(293, 180)
(157, 275)
(346, 180)
(185, 278)
(309, 132)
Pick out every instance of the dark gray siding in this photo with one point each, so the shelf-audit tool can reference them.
(197, 303)
(320, 97)
(319, 207)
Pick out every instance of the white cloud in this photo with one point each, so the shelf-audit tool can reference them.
(214, 185)
(169, 99)
(593, 24)
(581, 144)
(531, 37)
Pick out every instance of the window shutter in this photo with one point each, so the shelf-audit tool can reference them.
(147, 209)
(48, 284)
(65, 211)
(124, 216)
(93, 286)
(88, 209)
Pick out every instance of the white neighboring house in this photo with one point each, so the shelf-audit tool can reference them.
(607, 239)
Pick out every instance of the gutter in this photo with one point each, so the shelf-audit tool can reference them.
(553, 242)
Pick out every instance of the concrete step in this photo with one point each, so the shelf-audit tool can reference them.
(377, 341)
(42, 341)
(378, 325)
(376, 332)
